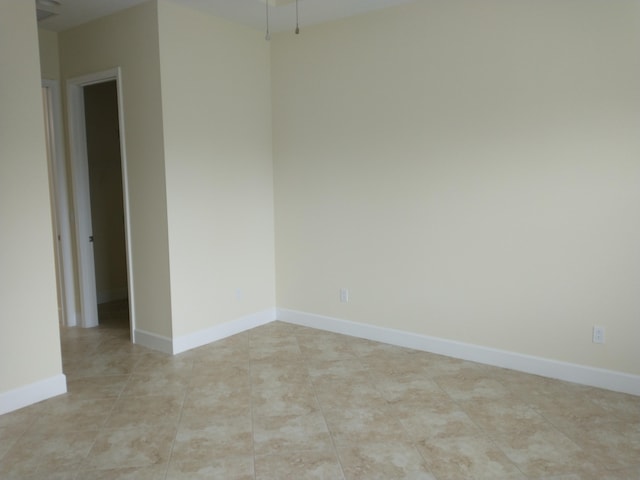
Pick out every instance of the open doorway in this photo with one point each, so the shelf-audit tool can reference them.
(107, 205)
(100, 197)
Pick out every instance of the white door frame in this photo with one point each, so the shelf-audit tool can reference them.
(60, 199)
(81, 194)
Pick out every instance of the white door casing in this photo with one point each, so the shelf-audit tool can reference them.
(81, 194)
(60, 199)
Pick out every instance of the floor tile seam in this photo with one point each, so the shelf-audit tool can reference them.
(486, 435)
(175, 436)
(561, 431)
(113, 406)
(84, 377)
(252, 409)
(22, 434)
(415, 443)
(324, 419)
(76, 465)
(494, 440)
(104, 422)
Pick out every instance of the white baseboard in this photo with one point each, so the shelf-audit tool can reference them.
(32, 393)
(595, 377)
(218, 332)
(153, 341)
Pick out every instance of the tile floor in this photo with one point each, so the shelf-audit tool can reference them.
(288, 402)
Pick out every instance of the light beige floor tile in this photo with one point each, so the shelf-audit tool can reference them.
(23, 417)
(463, 457)
(307, 465)
(200, 405)
(116, 347)
(292, 395)
(131, 448)
(292, 432)
(131, 473)
(266, 376)
(149, 410)
(102, 364)
(8, 436)
(266, 346)
(97, 387)
(624, 407)
(388, 460)
(351, 426)
(319, 350)
(363, 347)
(236, 468)
(217, 359)
(616, 445)
(205, 438)
(573, 411)
(297, 400)
(47, 475)
(471, 385)
(229, 366)
(211, 372)
(440, 422)
(71, 413)
(37, 452)
(346, 394)
(508, 415)
(151, 361)
(389, 363)
(156, 383)
(408, 392)
(624, 474)
(544, 451)
(235, 381)
(327, 371)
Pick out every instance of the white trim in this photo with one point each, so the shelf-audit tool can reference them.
(585, 375)
(203, 337)
(153, 341)
(224, 330)
(61, 199)
(81, 202)
(32, 393)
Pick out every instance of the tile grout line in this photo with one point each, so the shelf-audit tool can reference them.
(324, 417)
(175, 436)
(251, 402)
(102, 427)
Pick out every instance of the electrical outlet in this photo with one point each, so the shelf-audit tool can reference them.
(239, 294)
(598, 334)
(344, 295)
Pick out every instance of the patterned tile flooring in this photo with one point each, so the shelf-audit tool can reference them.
(288, 402)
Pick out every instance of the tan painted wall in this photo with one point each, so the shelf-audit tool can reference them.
(469, 170)
(129, 40)
(217, 132)
(49, 56)
(29, 336)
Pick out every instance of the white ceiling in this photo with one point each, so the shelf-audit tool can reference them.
(247, 12)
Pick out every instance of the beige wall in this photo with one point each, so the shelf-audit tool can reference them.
(469, 170)
(217, 143)
(105, 180)
(49, 57)
(29, 337)
(129, 40)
